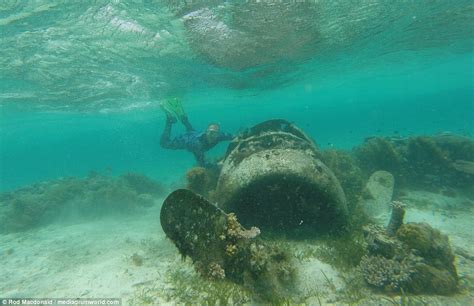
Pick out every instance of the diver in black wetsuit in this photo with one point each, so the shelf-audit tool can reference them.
(193, 141)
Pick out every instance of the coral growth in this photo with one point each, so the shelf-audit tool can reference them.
(263, 267)
(143, 184)
(231, 249)
(389, 274)
(424, 161)
(235, 230)
(216, 271)
(348, 172)
(396, 219)
(437, 273)
(379, 154)
(417, 259)
(428, 243)
(210, 238)
(90, 197)
(202, 180)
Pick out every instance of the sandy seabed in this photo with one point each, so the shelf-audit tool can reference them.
(123, 257)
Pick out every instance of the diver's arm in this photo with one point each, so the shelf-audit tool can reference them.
(200, 158)
(226, 136)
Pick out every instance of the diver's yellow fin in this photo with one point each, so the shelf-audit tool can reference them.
(174, 107)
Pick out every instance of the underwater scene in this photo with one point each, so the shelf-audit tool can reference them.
(162, 152)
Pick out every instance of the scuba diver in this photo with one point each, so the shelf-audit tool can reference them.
(192, 140)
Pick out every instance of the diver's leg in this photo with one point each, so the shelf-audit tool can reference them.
(165, 141)
(185, 121)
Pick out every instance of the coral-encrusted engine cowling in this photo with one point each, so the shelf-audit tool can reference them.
(272, 177)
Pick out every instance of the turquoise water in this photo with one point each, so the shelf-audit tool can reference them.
(81, 81)
(415, 100)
